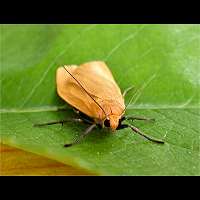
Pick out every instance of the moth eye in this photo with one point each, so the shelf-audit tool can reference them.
(107, 123)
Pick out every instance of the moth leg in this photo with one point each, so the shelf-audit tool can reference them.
(86, 121)
(84, 117)
(62, 122)
(76, 111)
(85, 133)
(136, 130)
(127, 90)
(122, 126)
(137, 118)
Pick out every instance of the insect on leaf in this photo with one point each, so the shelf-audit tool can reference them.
(160, 61)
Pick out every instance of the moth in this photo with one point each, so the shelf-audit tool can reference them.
(97, 99)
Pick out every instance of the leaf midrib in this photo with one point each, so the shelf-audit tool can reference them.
(55, 108)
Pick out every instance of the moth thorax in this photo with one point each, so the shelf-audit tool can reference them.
(114, 121)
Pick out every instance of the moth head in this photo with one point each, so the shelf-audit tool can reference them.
(112, 121)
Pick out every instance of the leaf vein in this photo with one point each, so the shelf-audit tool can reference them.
(122, 42)
(52, 63)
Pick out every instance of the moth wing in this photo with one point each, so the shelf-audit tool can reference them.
(98, 80)
(72, 93)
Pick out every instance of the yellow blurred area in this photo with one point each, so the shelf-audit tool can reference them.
(17, 162)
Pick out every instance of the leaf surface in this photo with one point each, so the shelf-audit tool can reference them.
(161, 61)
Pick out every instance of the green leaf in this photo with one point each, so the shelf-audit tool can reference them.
(161, 61)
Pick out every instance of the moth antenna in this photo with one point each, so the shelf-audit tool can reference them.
(85, 90)
(144, 135)
(129, 101)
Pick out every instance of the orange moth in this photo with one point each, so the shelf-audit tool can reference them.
(91, 89)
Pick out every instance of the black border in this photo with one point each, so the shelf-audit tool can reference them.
(100, 13)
